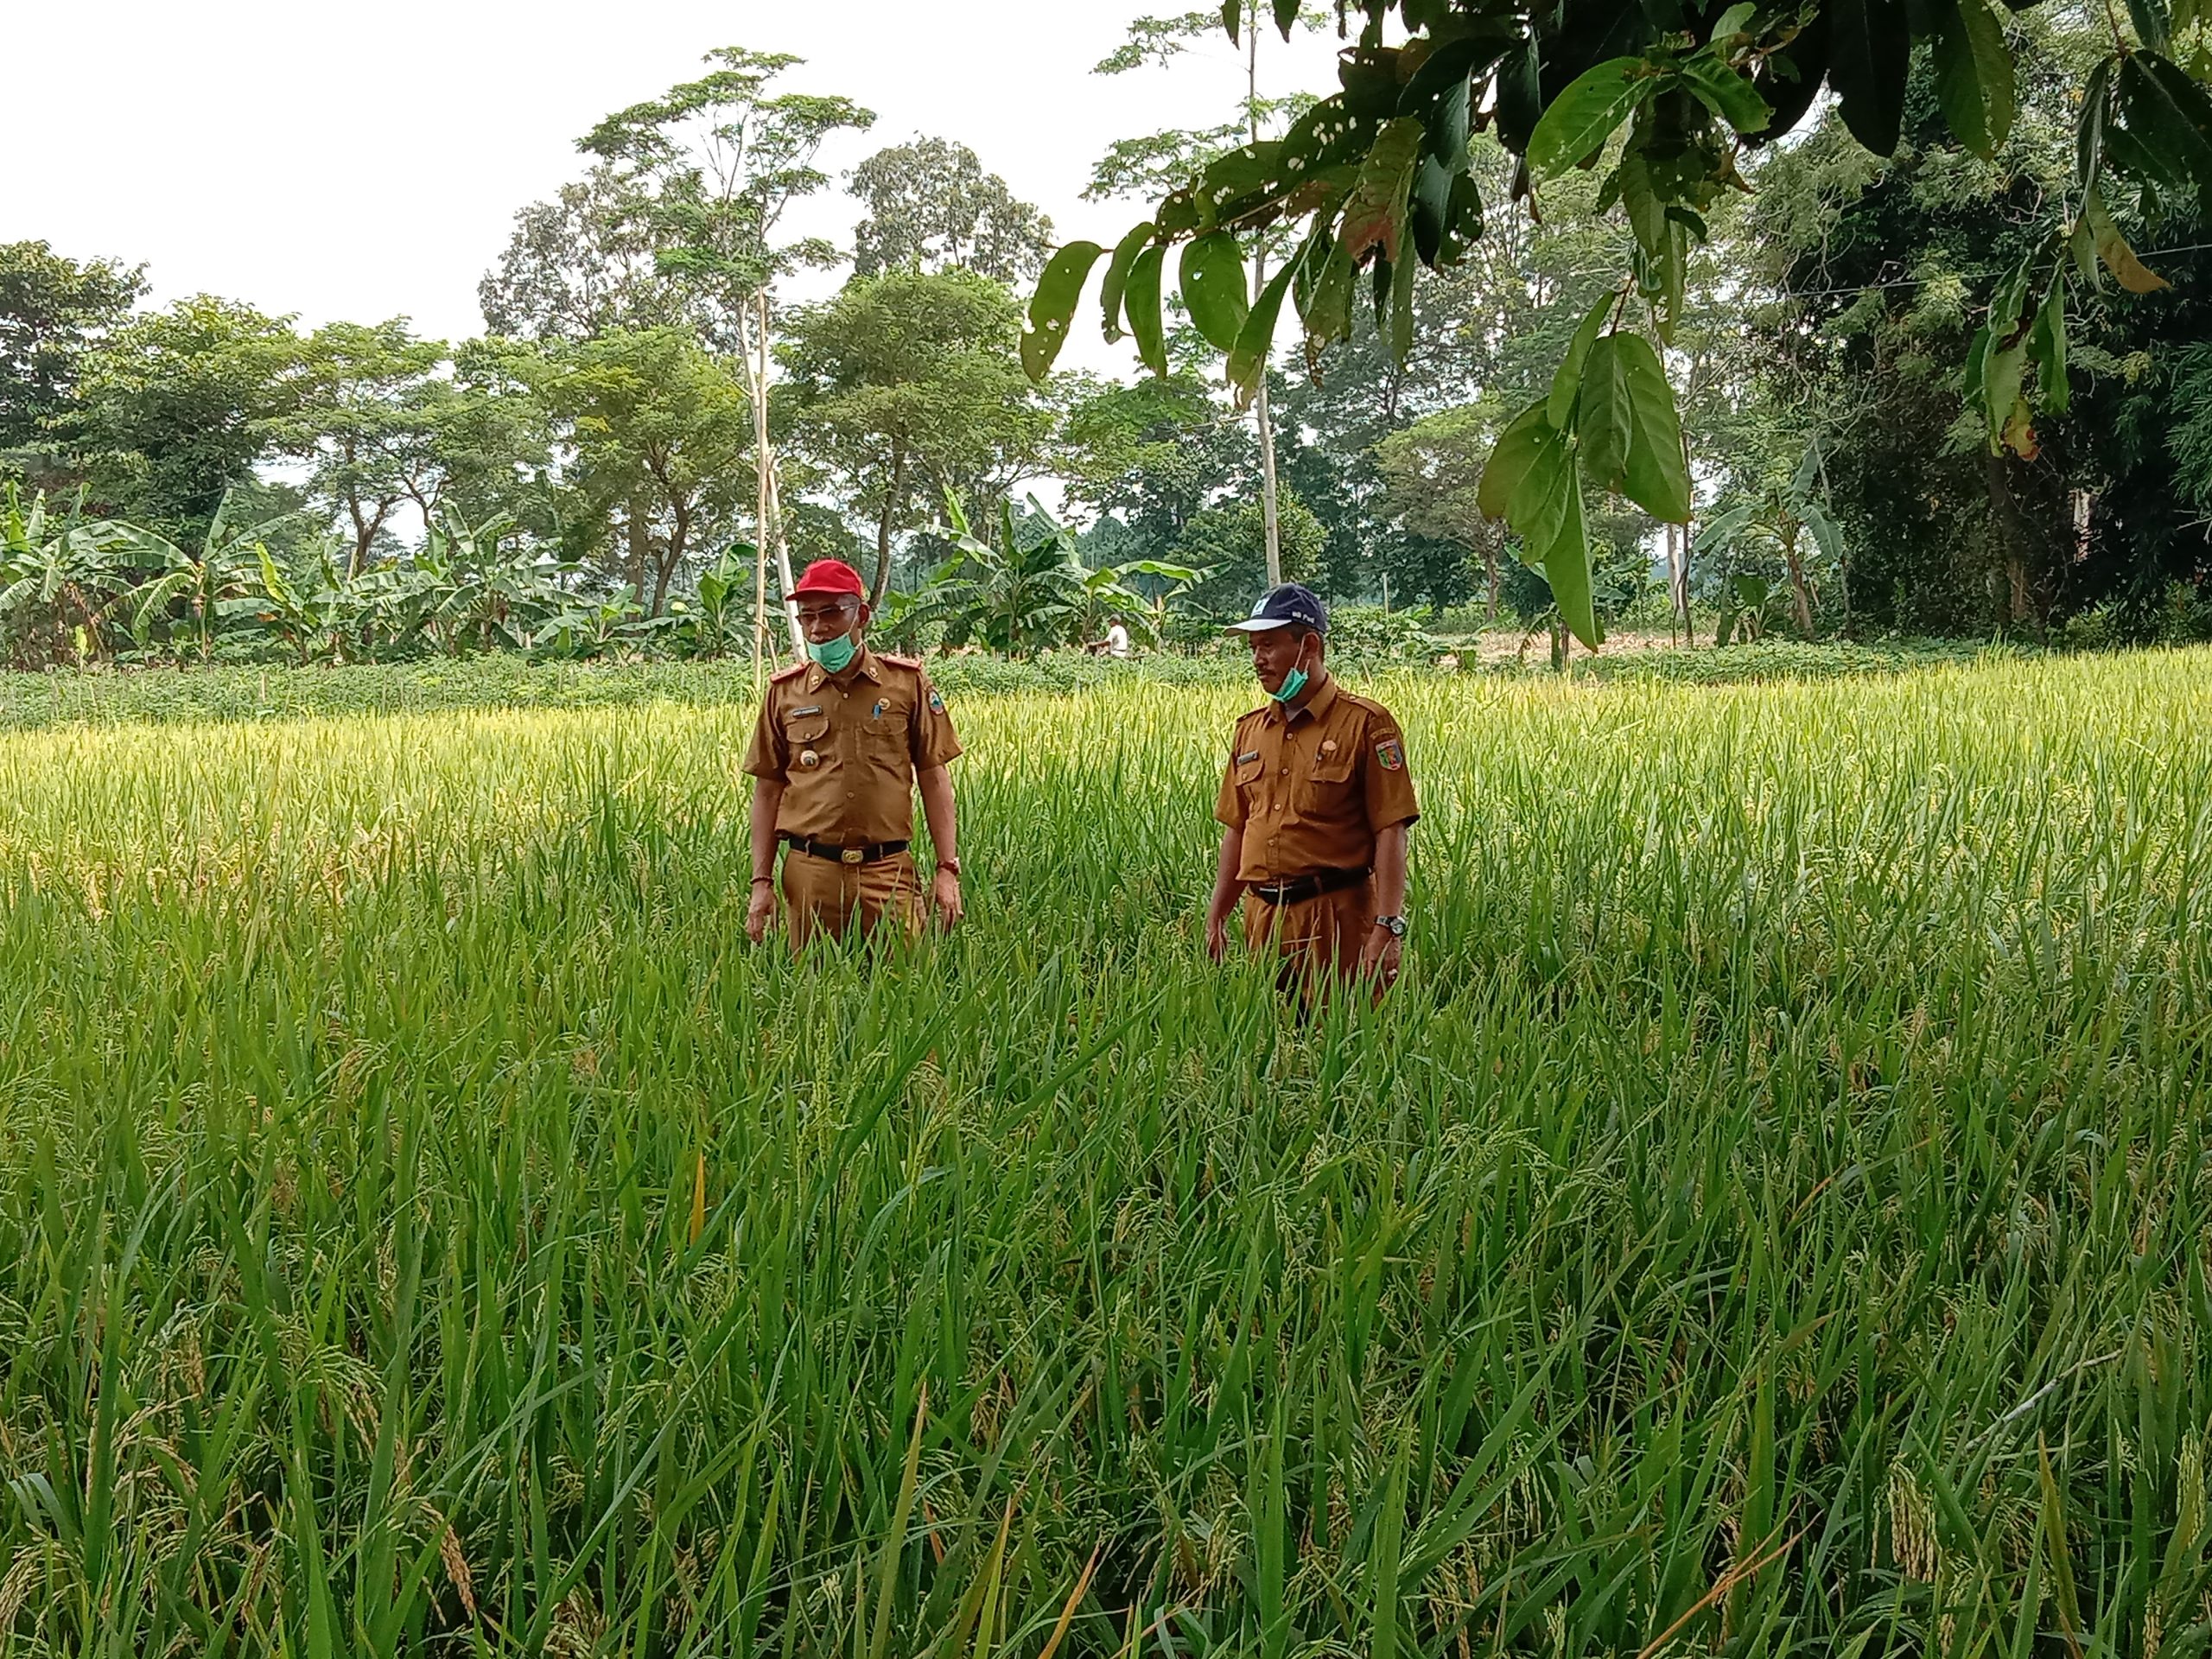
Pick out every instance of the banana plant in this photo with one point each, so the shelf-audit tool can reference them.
(60, 579)
(304, 605)
(215, 583)
(1777, 521)
(1027, 590)
(720, 617)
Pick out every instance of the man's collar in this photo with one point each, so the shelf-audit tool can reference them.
(865, 661)
(1318, 705)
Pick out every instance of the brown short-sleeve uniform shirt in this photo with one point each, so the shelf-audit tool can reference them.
(847, 748)
(1311, 787)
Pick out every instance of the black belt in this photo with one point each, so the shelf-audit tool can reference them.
(873, 854)
(1308, 887)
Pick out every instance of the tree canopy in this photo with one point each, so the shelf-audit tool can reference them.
(1665, 97)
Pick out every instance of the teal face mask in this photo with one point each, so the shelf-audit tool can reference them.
(1292, 683)
(833, 654)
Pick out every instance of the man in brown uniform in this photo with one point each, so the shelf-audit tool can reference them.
(1317, 801)
(843, 741)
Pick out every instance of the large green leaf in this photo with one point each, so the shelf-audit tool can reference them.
(1140, 304)
(1115, 282)
(1630, 436)
(1722, 529)
(1531, 482)
(2089, 135)
(1974, 74)
(1566, 380)
(1870, 54)
(2047, 347)
(1727, 92)
(1248, 361)
(1213, 287)
(1566, 568)
(1375, 215)
(1054, 304)
(1327, 310)
(2170, 113)
(1510, 458)
(1588, 110)
(1429, 208)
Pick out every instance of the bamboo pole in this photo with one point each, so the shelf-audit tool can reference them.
(759, 388)
(774, 515)
(1269, 520)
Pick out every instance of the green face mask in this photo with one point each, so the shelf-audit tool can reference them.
(1293, 682)
(833, 654)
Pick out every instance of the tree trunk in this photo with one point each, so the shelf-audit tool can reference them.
(641, 544)
(2011, 545)
(894, 496)
(680, 541)
(1790, 557)
(1492, 573)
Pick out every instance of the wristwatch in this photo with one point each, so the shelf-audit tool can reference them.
(1395, 924)
(952, 864)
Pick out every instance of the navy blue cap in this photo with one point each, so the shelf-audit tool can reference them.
(1280, 607)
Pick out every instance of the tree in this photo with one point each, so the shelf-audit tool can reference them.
(1229, 543)
(52, 309)
(909, 385)
(1152, 456)
(1433, 471)
(660, 428)
(588, 262)
(1668, 98)
(367, 420)
(930, 206)
(175, 409)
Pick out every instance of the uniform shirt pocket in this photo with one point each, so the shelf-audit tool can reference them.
(887, 734)
(1327, 784)
(807, 733)
(1246, 769)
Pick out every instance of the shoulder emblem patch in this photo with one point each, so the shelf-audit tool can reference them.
(936, 702)
(1390, 755)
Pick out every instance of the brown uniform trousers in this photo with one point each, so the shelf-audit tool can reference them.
(1320, 938)
(823, 896)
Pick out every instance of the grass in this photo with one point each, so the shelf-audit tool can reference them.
(505, 680)
(1769, 1217)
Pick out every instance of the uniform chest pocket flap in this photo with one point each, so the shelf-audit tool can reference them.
(806, 726)
(1248, 767)
(1333, 766)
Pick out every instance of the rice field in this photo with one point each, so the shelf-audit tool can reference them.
(1770, 1216)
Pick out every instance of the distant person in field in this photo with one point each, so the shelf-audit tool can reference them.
(1117, 639)
(844, 742)
(1317, 801)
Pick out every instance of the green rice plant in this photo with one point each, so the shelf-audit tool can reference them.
(1769, 1216)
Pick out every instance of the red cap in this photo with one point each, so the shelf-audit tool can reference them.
(830, 576)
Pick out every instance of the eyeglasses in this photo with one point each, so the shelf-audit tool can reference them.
(810, 614)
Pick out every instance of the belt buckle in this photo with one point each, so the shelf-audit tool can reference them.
(852, 856)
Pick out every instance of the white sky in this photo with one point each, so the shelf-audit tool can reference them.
(361, 162)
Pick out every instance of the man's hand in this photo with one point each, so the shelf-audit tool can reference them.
(760, 913)
(1379, 957)
(1217, 933)
(945, 906)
